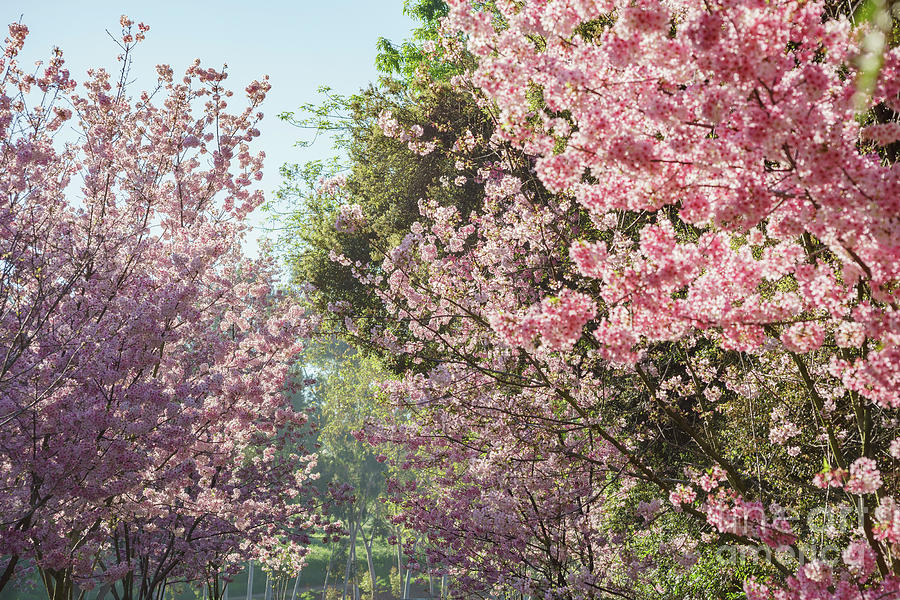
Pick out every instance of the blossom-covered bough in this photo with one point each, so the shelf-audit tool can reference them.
(146, 436)
(670, 334)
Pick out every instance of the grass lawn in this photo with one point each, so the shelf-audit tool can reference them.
(311, 579)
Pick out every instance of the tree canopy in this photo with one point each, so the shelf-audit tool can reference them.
(653, 327)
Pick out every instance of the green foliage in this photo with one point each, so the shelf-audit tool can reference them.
(345, 399)
(408, 60)
(383, 176)
(395, 582)
(333, 593)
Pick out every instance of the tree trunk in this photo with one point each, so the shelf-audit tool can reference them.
(353, 530)
(8, 571)
(250, 581)
(399, 552)
(268, 588)
(368, 545)
(58, 584)
(354, 582)
(328, 571)
(293, 593)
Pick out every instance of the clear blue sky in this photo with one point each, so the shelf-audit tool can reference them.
(300, 44)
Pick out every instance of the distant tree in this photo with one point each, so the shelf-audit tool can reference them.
(347, 384)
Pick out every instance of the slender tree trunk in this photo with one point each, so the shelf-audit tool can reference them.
(62, 587)
(58, 584)
(268, 588)
(399, 552)
(250, 581)
(294, 593)
(354, 580)
(353, 530)
(8, 572)
(368, 544)
(351, 561)
(328, 572)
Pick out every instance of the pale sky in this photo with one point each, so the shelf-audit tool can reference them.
(301, 45)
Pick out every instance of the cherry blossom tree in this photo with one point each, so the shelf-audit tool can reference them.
(145, 432)
(671, 327)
